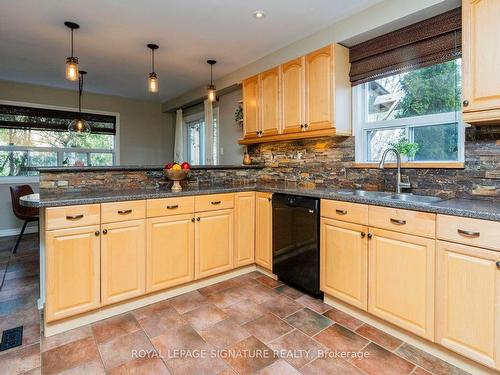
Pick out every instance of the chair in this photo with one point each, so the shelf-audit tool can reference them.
(28, 214)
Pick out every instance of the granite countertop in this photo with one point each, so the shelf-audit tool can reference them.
(479, 209)
(143, 168)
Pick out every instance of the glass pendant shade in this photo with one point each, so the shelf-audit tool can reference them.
(211, 93)
(72, 68)
(153, 82)
(80, 126)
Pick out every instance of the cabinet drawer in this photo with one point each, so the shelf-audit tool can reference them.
(213, 202)
(169, 206)
(404, 221)
(122, 211)
(72, 216)
(345, 211)
(475, 232)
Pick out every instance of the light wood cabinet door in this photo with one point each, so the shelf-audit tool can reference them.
(123, 261)
(292, 96)
(72, 271)
(244, 228)
(481, 59)
(319, 89)
(264, 230)
(170, 251)
(401, 280)
(468, 301)
(344, 261)
(270, 102)
(251, 98)
(214, 243)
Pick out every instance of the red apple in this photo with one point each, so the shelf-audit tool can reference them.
(185, 165)
(169, 165)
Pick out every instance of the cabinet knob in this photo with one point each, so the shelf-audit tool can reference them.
(306, 126)
(302, 126)
(498, 263)
(198, 219)
(269, 199)
(104, 231)
(192, 220)
(97, 233)
(465, 103)
(370, 236)
(363, 234)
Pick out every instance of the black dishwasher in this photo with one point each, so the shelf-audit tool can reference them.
(296, 241)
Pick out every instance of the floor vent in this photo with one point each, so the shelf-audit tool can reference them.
(11, 338)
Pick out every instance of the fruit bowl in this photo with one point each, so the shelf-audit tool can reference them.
(176, 176)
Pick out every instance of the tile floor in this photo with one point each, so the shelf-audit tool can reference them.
(255, 323)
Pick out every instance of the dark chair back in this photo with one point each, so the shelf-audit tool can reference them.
(21, 212)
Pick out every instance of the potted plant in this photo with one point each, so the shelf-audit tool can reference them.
(238, 114)
(407, 149)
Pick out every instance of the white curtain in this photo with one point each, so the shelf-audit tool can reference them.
(179, 137)
(209, 159)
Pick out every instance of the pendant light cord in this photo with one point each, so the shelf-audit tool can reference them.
(80, 90)
(211, 67)
(153, 60)
(71, 42)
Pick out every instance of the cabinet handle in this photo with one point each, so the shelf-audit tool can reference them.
(465, 103)
(74, 217)
(96, 233)
(198, 219)
(173, 207)
(468, 233)
(124, 212)
(341, 212)
(363, 234)
(104, 231)
(370, 236)
(398, 222)
(216, 202)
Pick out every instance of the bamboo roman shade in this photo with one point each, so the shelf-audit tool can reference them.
(432, 41)
(18, 117)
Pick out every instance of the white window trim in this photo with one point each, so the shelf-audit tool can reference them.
(361, 126)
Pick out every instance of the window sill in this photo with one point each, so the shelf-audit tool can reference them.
(417, 165)
(17, 180)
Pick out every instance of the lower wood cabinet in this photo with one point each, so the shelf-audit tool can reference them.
(468, 301)
(401, 280)
(344, 261)
(72, 271)
(244, 228)
(264, 230)
(214, 243)
(170, 251)
(123, 261)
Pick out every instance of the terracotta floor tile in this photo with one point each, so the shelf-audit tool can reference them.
(326, 365)
(226, 297)
(205, 364)
(31, 335)
(120, 350)
(114, 327)
(308, 321)
(427, 361)
(254, 274)
(24, 317)
(268, 327)
(227, 371)
(224, 333)
(159, 321)
(147, 311)
(289, 291)
(282, 306)
(223, 285)
(153, 366)
(183, 337)
(66, 337)
(19, 361)
(188, 301)
(245, 311)
(94, 368)
(420, 371)
(269, 282)
(280, 367)
(344, 319)
(341, 339)
(75, 354)
(249, 356)
(314, 304)
(382, 361)
(204, 316)
(35, 371)
(258, 293)
(296, 348)
(379, 337)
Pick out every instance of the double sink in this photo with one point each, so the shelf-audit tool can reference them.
(405, 197)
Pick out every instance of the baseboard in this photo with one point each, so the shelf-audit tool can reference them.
(16, 231)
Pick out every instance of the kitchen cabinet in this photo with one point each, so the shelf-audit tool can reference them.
(263, 230)
(270, 102)
(244, 228)
(72, 271)
(169, 251)
(293, 96)
(214, 242)
(401, 280)
(480, 61)
(123, 261)
(344, 261)
(468, 301)
(251, 97)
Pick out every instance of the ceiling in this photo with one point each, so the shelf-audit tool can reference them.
(111, 41)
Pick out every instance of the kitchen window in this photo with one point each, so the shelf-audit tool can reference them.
(196, 137)
(33, 137)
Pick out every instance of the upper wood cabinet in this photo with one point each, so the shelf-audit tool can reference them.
(123, 261)
(264, 230)
(251, 97)
(481, 61)
(292, 96)
(468, 301)
(72, 271)
(270, 102)
(244, 228)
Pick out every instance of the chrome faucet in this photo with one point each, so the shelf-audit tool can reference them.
(399, 183)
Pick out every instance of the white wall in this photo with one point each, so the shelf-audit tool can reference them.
(229, 130)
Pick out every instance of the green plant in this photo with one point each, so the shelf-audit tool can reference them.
(405, 147)
(238, 114)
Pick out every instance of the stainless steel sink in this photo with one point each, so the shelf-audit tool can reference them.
(365, 193)
(422, 199)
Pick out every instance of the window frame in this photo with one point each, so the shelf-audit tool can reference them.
(20, 179)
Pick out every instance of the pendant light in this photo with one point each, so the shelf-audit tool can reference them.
(79, 125)
(72, 61)
(153, 77)
(211, 93)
